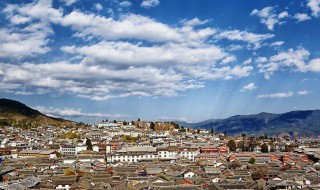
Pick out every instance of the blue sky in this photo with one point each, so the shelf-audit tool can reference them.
(160, 59)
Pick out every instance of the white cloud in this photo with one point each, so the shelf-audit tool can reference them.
(167, 118)
(131, 26)
(302, 17)
(17, 19)
(26, 42)
(31, 38)
(303, 92)
(294, 60)
(251, 86)
(72, 112)
(314, 5)
(238, 72)
(248, 61)
(229, 59)
(283, 14)
(278, 43)
(261, 60)
(102, 83)
(208, 73)
(253, 39)
(194, 22)
(134, 54)
(98, 6)
(125, 3)
(268, 16)
(149, 3)
(94, 81)
(234, 47)
(128, 27)
(163, 60)
(41, 10)
(314, 65)
(277, 95)
(69, 2)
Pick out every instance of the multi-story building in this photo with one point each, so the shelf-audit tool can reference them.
(71, 149)
(134, 154)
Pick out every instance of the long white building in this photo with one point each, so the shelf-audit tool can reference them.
(136, 154)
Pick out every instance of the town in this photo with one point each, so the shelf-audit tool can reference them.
(154, 155)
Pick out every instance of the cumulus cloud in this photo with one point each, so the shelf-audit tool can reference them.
(194, 22)
(100, 83)
(251, 86)
(294, 60)
(229, 59)
(248, 61)
(269, 17)
(17, 19)
(314, 5)
(128, 27)
(314, 65)
(93, 80)
(254, 40)
(72, 112)
(125, 3)
(68, 2)
(261, 60)
(38, 10)
(29, 41)
(277, 95)
(98, 6)
(33, 36)
(135, 54)
(132, 55)
(301, 17)
(149, 3)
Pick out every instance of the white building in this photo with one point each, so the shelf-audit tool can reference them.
(71, 149)
(88, 158)
(141, 153)
(134, 154)
(107, 124)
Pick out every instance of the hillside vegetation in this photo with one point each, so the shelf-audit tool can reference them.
(17, 114)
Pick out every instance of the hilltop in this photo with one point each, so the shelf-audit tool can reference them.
(302, 123)
(14, 113)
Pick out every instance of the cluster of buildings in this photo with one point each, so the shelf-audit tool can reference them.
(123, 155)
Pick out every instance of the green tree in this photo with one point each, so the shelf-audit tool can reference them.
(198, 131)
(89, 144)
(252, 160)
(152, 125)
(265, 148)
(212, 131)
(232, 145)
(182, 129)
(243, 135)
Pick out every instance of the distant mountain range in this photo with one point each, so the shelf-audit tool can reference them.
(14, 113)
(300, 123)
